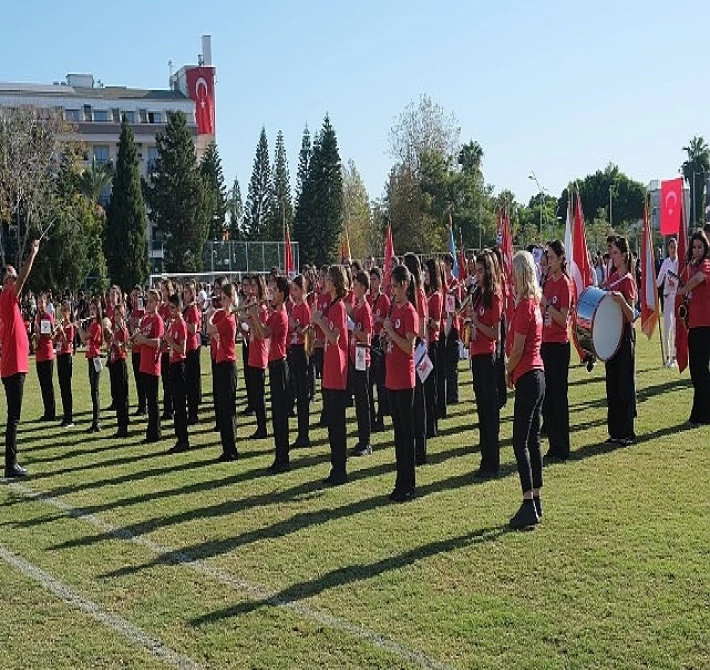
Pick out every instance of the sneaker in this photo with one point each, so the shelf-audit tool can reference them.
(225, 458)
(363, 451)
(525, 517)
(258, 435)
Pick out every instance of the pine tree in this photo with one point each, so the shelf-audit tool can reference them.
(302, 218)
(258, 205)
(126, 240)
(304, 161)
(235, 208)
(215, 192)
(282, 208)
(177, 198)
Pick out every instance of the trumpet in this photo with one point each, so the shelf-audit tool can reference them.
(243, 309)
(683, 309)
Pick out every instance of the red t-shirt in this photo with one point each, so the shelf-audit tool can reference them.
(120, 337)
(362, 317)
(67, 344)
(322, 307)
(135, 316)
(488, 316)
(177, 334)
(152, 327)
(380, 306)
(166, 314)
(335, 358)
(45, 343)
(96, 338)
(626, 285)
(436, 304)
(15, 345)
(277, 323)
(528, 321)
(700, 298)
(399, 366)
(227, 331)
(558, 293)
(193, 315)
(259, 349)
(301, 315)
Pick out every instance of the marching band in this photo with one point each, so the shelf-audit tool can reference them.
(391, 344)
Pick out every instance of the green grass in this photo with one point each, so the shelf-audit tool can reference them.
(617, 575)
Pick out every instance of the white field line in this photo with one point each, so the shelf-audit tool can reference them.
(254, 591)
(130, 631)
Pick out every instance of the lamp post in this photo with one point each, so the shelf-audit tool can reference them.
(541, 191)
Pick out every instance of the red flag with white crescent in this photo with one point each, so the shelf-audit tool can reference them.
(506, 248)
(681, 332)
(650, 304)
(671, 205)
(389, 255)
(200, 88)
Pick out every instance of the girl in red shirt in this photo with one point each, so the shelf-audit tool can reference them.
(193, 369)
(361, 338)
(150, 340)
(44, 357)
(485, 312)
(166, 290)
(298, 320)
(118, 372)
(621, 368)
(134, 320)
(65, 340)
(93, 338)
(335, 366)
(380, 306)
(555, 304)
(255, 372)
(177, 338)
(698, 291)
(525, 371)
(400, 330)
(435, 302)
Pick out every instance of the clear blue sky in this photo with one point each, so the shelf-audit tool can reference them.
(558, 88)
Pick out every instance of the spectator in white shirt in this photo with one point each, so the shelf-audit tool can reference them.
(669, 285)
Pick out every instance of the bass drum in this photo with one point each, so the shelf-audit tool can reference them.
(598, 324)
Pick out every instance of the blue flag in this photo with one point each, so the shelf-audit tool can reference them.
(452, 250)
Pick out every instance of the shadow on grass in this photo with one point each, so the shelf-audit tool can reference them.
(355, 573)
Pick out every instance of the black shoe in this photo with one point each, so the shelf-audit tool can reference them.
(278, 468)
(525, 517)
(420, 460)
(258, 435)
(48, 417)
(95, 428)
(15, 472)
(538, 506)
(192, 421)
(301, 444)
(179, 448)
(378, 426)
(612, 440)
(150, 440)
(483, 474)
(248, 411)
(121, 432)
(627, 441)
(363, 451)
(66, 424)
(110, 408)
(336, 480)
(393, 494)
(224, 457)
(552, 457)
(403, 496)
(139, 412)
(167, 416)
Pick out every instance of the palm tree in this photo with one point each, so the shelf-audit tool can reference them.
(94, 179)
(695, 169)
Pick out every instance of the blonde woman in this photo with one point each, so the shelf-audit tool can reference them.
(525, 371)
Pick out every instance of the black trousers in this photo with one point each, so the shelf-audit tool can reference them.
(529, 396)
(215, 404)
(401, 405)
(484, 371)
(64, 373)
(298, 371)
(337, 433)
(278, 379)
(377, 381)
(167, 386)
(118, 374)
(245, 364)
(361, 390)
(500, 368)
(699, 363)
(621, 387)
(178, 378)
(226, 387)
(150, 383)
(256, 378)
(419, 421)
(94, 384)
(45, 374)
(440, 371)
(430, 393)
(14, 389)
(555, 408)
(193, 383)
(452, 367)
(138, 378)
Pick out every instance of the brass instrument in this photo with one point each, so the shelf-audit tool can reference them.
(309, 339)
(475, 295)
(243, 309)
(683, 308)
(107, 329)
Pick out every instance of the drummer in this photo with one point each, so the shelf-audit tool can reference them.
(621, 367)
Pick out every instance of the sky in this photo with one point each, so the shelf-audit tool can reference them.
(545, 87)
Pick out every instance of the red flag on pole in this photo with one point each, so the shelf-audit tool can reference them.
(582, 267)
(671, 205)
(650, 305)
(290, 270)
(681, 332)
(345, 249)
(462, 259)
(506, 248)
(389, 255)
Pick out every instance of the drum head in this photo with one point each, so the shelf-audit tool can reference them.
(607, 328)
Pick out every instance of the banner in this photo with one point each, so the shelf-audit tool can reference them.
(671, 205)
(650, 304)
(681, 332)
(389, 255)
(290, 270)
(200, 88)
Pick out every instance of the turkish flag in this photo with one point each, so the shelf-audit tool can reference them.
(671, 204)
(681, 332)
(389, 255)
(200, 88)
(505, 242)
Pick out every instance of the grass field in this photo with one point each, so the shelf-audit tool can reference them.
(227, 567)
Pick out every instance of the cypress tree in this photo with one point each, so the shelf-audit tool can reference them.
(235, 208)
(215, 192)
(282, 208)
(177, 197)
(302, 231)
(126, 240)
(258, 205)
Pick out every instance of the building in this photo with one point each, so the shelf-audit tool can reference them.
(95, 111)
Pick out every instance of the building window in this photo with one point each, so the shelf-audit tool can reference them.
(144, 115)
(87, 112)
(101, 154)
(72, 115)
(130, 117)
(154, 117)
(100, 115)
(116, 115)
(152, 158)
